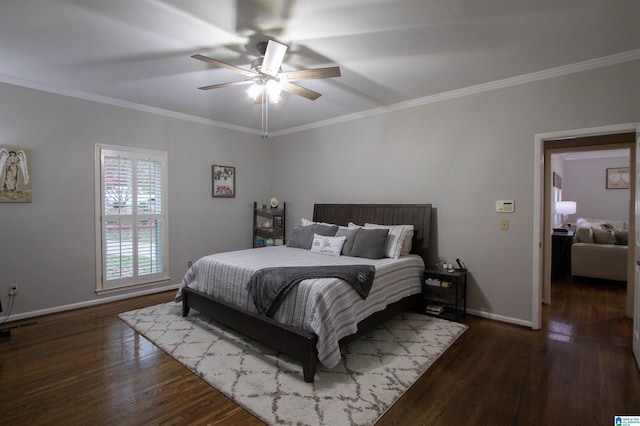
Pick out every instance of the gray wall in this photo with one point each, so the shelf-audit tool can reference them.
(461, 155)
(584, 182)
(48, 246)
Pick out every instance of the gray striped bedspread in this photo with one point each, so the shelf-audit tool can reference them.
(328, 307)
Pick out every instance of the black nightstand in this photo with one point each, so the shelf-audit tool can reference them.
(561, 253)
(449, 298)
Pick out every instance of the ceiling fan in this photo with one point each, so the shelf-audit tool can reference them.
(266, 77)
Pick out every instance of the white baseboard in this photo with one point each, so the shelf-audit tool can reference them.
(489, 315)
(89, 303)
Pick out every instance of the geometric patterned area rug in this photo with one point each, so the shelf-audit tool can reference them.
(376, 369)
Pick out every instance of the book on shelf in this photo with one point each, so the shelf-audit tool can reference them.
(432, 281)
(435, 309)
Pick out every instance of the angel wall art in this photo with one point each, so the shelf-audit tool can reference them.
(15, 184)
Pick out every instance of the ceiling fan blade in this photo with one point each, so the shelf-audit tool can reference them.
(273, 57)
(312, 74)
(301, 91)
(233, 83)
(224, 65)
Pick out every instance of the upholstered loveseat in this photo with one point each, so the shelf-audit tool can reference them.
(600, 249)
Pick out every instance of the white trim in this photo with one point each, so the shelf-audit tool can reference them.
(538, 241)
(501, 318)
(90, 303)
(123, 104)
(591, 64)
(136, 280)
(472, 90)
(538, 203)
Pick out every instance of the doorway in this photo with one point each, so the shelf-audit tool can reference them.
(617, 136)
(595, 305)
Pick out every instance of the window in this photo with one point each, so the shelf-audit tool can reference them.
(131, 222)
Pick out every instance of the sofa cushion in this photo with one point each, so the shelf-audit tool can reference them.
(604, 236)
(604, 261)
(584, 234)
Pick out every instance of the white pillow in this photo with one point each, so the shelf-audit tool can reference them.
(306, 222)
(352, 225)
(399, 240)
(331, 246)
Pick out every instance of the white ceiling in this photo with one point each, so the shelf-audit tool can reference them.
(390, 51)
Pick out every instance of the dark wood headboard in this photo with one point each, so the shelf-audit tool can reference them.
(418, 215)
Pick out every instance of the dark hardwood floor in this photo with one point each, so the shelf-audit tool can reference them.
(87, 367)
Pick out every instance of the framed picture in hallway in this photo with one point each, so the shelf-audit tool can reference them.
(618, 178)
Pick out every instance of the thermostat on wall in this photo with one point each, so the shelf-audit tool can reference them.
(505, 206)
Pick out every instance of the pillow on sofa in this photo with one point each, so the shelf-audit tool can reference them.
(601, 223)
(584, 234)
(602, 236)
(622, 237)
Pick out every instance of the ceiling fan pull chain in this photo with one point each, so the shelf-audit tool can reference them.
(264, 111)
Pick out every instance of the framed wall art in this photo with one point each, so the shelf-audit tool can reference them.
(618, 178)
(15, 183)
(223, 181)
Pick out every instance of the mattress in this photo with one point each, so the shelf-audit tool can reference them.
(328, 307)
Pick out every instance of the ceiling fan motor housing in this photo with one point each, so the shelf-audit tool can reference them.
(256, 64)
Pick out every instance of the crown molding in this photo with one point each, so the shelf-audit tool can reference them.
(606, 61)
(120, 103)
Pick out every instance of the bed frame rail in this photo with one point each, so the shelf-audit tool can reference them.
(294, 342)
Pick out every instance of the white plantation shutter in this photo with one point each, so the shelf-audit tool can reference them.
(133, 230)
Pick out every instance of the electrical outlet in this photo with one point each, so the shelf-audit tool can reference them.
(504, 224)
(13, 290)
(189, 264)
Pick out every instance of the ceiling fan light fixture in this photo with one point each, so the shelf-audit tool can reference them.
(254, 91)
(274, 88)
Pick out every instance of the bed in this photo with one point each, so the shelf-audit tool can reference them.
(295, 329)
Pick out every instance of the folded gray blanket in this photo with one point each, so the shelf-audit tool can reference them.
(269, 286)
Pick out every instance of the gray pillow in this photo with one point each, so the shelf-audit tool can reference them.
(602, 236)
(622, 237)
(302, 236)
(351, 238)
(370, 243)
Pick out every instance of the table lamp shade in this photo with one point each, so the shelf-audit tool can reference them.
(566, 207)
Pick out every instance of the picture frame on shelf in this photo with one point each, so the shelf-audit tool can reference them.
(277, 221)
(223, 181)
(618, 178)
